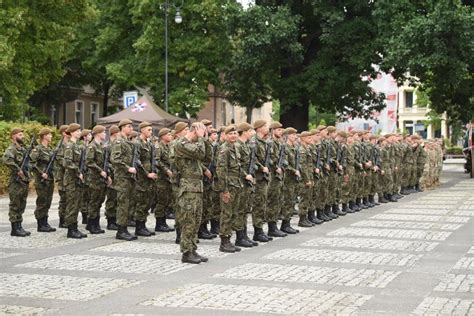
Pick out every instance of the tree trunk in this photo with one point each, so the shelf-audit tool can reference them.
(248, 113)
(105, 100)
(294, 115)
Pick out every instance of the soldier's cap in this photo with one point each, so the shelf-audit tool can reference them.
(98, 129)
(243, 127)
(133, 134)
(321, 127)
(72, 128)
(290, 130)
(259, 123)
(305, 134)
(63, 128)
(173, 133)
(144, 124)
(387, 135)
(113, 129)
(164, 131)
(206, 122)
(275, 125)
(230, 128)
(85, 132)
(212, 130)
(179, 127)
(351, 133)
(381, 139)
(314, 131)
(15, 131)
(342, 134)
(45, 131)
(373, 136)
(222, 129)
(124, 122)
(360, 133)
(416, 137)
(331, 129)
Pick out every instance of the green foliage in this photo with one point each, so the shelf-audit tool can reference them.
(455, 150)
(30, 129)
(434, 119)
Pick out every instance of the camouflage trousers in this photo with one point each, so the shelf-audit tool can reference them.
(339, 180)
(229, 213)
(211, 204)
(62, 203)
(124, 194)
(85, 198)
(260, 203)
(18, 192)
(347, 183)
(163, 198)
(244, 207)
(332, 188)
(143, 199)
(73, 197)
(322, 193)
(275, 199)
(111, 203)
(188, 215)
(306, 195)
(289, 193)
(44, 192)
(97, 197)
(386, 181)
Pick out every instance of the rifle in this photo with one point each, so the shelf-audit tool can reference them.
(252, 161)
(106, 166)
(82, 162)
(281, 157)
(319, 162)
(298, 161)
(328, 157)
(338, 158)
(25, 162)
(49, 167)
(135, 160)
(268, 155)
(154, 168)
(213, 163)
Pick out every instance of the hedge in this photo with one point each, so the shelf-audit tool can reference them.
(30, 129)
(455, 150)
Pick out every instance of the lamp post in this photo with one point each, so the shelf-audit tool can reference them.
(177, 19)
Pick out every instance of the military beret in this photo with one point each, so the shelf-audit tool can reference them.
(179, 127)
(360, 133)
(213, 130)
(124, 122)
(15, 131)
(321, 127)
(373, 136)
(206, 122)
(85, 132)
(259, 123)
(63, 128)
(290, 130)
(98, 129)
(113, 129)
(275, 125)
(173, 132)
(222, 129)
(164, 131)
(342, 134)
(144, 124)
(133, 134)
(243, 127)
(305, 134)
(45, 131)
(331, 129)
(314, 131)
(416, 136)
(230, 128)
(73, 127)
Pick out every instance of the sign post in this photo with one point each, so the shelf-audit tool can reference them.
(129, 97)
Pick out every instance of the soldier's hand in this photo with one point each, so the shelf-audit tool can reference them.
(81, 177)
(298, 173)
(327, 167)
(44, 176)
(103, 174)
(225, 197)
(308, 184)
(109, 181)
(339, 167)
(151, 175)
(20, 174)
(169, 173)
(208, 173)
(346, 179)
(317, 170)
(279, 171)
(265, 170)
(249, 178)
(382, 172)
(132, 170)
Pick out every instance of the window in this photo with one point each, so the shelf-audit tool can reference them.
(79, 106)
(54, 115)
(409, 127)
(408, 99)
(94, 113)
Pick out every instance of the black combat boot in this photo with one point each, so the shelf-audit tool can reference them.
(131, 223)
(286, 227)
(241, 241)
(202, 258)
(413, 189)
(303, 222)
(84, 217)
(404, 191)
(313, 218)
(328, 213)
(123, 234)
(170, 214)
(226, 245)
(398, 195)
(353, 206)
(273, 230)
(336, 210)
(418, 187)
(383, 198)
(321, 216)
(215, 224)
(246, 237)
(62, 223)
(141, 230)
(207, 230)
(161, 225)
(392, 198)
(178, 236)
(190, 257)
(259, 235)
(346, 209)
(112, 223)
(202, 233)
(43, 226)
(23, 230)
(73, 232)
(365, 203)
(94, 226)
(372, 200)
(16, 230)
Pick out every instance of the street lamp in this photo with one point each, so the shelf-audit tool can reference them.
(177, 19)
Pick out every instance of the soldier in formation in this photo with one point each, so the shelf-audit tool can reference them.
(205, 175)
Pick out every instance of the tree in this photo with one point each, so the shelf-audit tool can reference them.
(34, 45)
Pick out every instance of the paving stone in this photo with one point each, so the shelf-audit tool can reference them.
(59, 287)
(372, 243)
(445, 306)
(463, 213)
(406, 210)
(421, 218)
(466, 263)
(391, 233)
(461, 283)
(398, 224)
(37, 240)
(471, 251)
(311, 274)
(108, 264)
(24, 310)
(4, 255)
(259, 299)
(343, 256)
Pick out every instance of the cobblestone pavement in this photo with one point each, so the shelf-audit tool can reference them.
(414, 257)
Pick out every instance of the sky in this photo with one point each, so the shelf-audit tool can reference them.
(245, 3)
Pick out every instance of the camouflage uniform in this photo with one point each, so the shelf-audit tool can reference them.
(144, 186)
(40, 156)
(97, 185)
(164, 192)
(58, 176)
(72, 183)
(261, 186)
(275, 185)
(111, 202)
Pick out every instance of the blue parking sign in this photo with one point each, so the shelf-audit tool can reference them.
(129, 97)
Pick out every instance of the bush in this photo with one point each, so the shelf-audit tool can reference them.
(455, 150)
(30, 129)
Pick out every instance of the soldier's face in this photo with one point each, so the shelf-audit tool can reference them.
(277, 132)
(76, 134)
(213, 136)
(232, 136)
(127, 129)
(264, 130)
(18, 137)
(48, 137)
(146, 131)
(101, 136)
